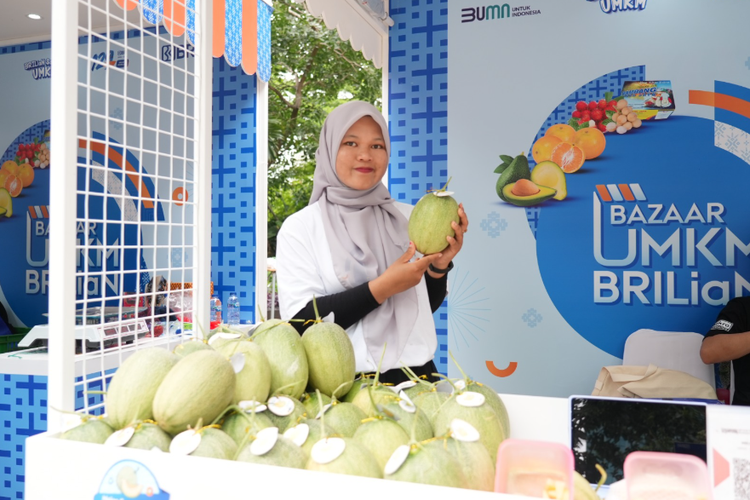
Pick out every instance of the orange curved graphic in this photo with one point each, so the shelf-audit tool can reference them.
(127, 4)
(505, 372)
(219, 28)
(249, 36)
(174, 16)
(722, 101)
(180, 196)
(99, 147)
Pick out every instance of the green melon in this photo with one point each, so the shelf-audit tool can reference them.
(239, 425)
(254, 379)
(356, 460)
(199, 386)
(430, 465)
(215, 443)
(474, 460)
(190, 347)
(92, 430)
(330, 358)
(381, 436)
(430, 222)
(344, 417)
(131, 392)
(284, 453)
(286, 356)
(148, 436)
(313, 403)
(430, 402)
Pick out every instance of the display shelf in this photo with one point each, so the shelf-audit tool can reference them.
(52, 474)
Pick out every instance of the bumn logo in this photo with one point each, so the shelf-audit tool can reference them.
(489, 12)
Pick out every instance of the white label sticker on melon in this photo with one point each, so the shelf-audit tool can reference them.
(470, 399)
(463, 431)
(120, 437)
(222, 335)
(156, 448)
(249, 405)
(238, 362)
(281, 406)
(460, 385)
(406, 403)
(397, 459)
(185, 442)
(71, 421)
(408, 384)
(323, 410)
(265, 441)
(298, 434)
(327, 450)
(442, 193)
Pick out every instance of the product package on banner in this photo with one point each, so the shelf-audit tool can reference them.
(606, 147)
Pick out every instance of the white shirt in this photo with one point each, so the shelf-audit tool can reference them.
(304, 267)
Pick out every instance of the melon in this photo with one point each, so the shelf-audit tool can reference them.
(330, 358)
(342, 455)
(254, 377)
(198, 387)
(314, 430)
(430, 222)
(270, 448)
(430, 402)
(148, 436)
(413, 420)
(356, 386)
(214, 443)
(426, 465)
(91, 430)
(378, 393)
(190, 347)
(381, 436)
(285, 412)
(131, 391)
(239, 425)
(472, 407)
(473, 459)
(344, 417)
(314, 401)
(286, 356)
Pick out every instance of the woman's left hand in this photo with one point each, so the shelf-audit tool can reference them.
(454, 243)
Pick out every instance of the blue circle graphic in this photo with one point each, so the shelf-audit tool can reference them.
(667, 261)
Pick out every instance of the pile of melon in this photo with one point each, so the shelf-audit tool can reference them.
(280, 399)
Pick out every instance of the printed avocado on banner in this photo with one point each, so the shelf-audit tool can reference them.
(607, 180)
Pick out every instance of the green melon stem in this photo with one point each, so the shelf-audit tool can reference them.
(440, 375)
(278, 392)
(336, 390)
(465, 377)
(229, 408)
(446, 184)
(603, 477)
(322, 416)
(260, 314)
(380, 363)
(414, 377)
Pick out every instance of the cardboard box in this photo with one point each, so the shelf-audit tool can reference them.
(651, 100)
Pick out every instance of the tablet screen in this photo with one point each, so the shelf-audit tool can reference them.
(605, 430)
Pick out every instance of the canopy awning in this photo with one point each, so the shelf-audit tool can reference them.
(364, 23)
(241, 28)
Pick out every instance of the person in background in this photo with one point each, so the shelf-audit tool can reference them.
(729, 340)
(350, 249)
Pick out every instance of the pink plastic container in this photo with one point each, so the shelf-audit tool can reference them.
(534, 468)
(651, 475)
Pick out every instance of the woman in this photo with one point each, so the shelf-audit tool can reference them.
(350, 250)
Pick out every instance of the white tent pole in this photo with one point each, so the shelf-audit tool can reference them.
(261, 195)
(62, 262)
(202, 168)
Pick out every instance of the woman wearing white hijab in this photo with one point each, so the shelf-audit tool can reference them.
(350, 249)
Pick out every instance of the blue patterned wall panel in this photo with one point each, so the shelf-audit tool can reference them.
(233, 187)
(418, 103)
(23, 413)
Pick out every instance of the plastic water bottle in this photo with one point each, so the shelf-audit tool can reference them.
(215, 309)
(233, 310)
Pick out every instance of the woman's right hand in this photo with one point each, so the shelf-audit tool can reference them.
(401, 275)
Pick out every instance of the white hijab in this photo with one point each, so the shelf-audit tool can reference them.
(366, 233)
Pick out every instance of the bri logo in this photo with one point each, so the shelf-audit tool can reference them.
(612, 6)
